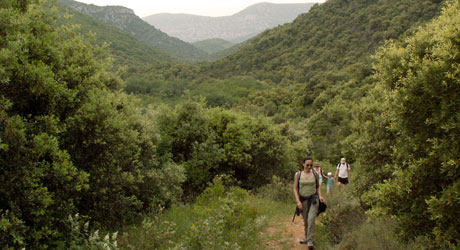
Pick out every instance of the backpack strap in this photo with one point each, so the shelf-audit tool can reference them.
(298, 182)
(316, 179)
(346, 165)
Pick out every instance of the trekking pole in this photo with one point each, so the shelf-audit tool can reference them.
(296, 212)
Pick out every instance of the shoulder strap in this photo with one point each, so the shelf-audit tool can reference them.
(316, 178)
(298, 181)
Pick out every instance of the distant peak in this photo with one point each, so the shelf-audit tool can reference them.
(80, 6)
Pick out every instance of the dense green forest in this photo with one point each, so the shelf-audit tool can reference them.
(88, 150)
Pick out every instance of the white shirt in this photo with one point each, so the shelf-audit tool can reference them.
(343, 170)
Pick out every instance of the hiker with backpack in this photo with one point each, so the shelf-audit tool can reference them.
(308, 196)
(319, 171)
(344, 173)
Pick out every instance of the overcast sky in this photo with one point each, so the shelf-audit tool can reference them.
(144, 8)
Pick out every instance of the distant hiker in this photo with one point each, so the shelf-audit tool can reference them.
(330, 183)
(319, 171)
(307, 194)
(344, 173)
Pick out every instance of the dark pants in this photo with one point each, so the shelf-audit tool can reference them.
(343, 180)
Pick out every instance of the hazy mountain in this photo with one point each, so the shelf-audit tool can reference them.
(214, 45)
(235, 28)
(126, 20)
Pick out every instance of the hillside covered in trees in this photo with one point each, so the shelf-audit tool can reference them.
(124, 48)
(86, 149)
(328, 38)
(125, 19)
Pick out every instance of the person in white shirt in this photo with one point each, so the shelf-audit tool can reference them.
(343, 172)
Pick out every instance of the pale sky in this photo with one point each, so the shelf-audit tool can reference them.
(144, 8)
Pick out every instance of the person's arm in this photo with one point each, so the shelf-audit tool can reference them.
(296, 190)
(322, 173)
(318, 190)
(349, 173)
(336, 173)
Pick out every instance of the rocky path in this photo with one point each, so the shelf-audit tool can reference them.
(285, 234)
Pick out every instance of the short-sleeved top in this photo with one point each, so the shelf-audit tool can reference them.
(343, 170)
(307, 186)
(330, 181)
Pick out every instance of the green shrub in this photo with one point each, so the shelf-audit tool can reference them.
(419, 78)
(70, 141)
(277, 190)
(376, 233)
(209, 142)
(221, 218)
(81, 238)
(152, 233)
(224, 219)
(343, 214)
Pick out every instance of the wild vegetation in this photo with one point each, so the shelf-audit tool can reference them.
(172, 155)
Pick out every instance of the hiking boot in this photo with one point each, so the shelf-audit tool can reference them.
(304, 241)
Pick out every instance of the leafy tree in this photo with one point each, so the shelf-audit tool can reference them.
(255, 149)
(70, 142)
(371, 141)
(186, 135)
(39, 182)
(421, 78)
(209, 142)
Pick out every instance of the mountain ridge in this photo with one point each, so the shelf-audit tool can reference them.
(125, 48)
(125, 19)
(235, 28)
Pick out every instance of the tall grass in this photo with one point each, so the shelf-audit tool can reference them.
(221, 218)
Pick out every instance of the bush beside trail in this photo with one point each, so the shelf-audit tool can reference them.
(70, 141)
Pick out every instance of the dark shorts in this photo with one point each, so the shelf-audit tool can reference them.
(343, 180)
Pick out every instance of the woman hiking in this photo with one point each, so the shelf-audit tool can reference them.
(307, 194)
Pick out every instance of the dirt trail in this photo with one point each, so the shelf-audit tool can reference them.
(285, 234)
